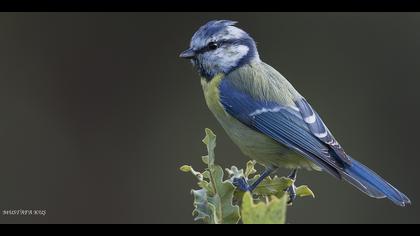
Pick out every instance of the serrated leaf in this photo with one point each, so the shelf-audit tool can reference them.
(202, 209)
(273, 212)
(217, 201)
(250, 168)
(304, 191)
(234, 172)
(210, 141)
(226, 212)
(214, 202)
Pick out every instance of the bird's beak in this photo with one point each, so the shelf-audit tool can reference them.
(187, 54)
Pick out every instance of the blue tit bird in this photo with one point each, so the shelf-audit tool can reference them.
(266, 117)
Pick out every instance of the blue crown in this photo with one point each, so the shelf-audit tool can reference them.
(213, 27)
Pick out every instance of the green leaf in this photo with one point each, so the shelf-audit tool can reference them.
(187, 168)
(250, 168)
(235, 173)
(217, 201)
(272, 212)
(272, 186)
(304, 191)
(225, 211)
(206, 174)
(205, 185)
(205, 159)
(210, 141)
(214, 201)
(202, 209)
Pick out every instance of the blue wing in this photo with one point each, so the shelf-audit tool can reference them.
(283, 124)
(301, 129)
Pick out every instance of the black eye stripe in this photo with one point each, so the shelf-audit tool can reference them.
(219, 43)
(208, 48)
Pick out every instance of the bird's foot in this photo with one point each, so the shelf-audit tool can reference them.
(292, 194)
(292, 189)
(241, 184)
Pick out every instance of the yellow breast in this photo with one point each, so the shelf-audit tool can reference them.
(212, 94)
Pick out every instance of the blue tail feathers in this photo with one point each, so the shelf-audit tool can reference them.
(372, 184)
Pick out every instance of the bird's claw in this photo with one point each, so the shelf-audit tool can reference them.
(292, 189)
(241, 184)
(292, 193)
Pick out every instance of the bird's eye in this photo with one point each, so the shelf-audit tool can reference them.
(212, 45)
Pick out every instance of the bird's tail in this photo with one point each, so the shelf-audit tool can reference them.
(372, 184)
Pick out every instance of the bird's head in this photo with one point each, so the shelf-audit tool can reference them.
(220, 47)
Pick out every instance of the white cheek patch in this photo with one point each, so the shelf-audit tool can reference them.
(230, 57)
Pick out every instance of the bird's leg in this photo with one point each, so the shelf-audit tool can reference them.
(292, 189)
(242, 184)
(264, 175)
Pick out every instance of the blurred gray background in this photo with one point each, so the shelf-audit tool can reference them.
(98, 112)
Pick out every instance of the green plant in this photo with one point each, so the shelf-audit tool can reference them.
(217, 201)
